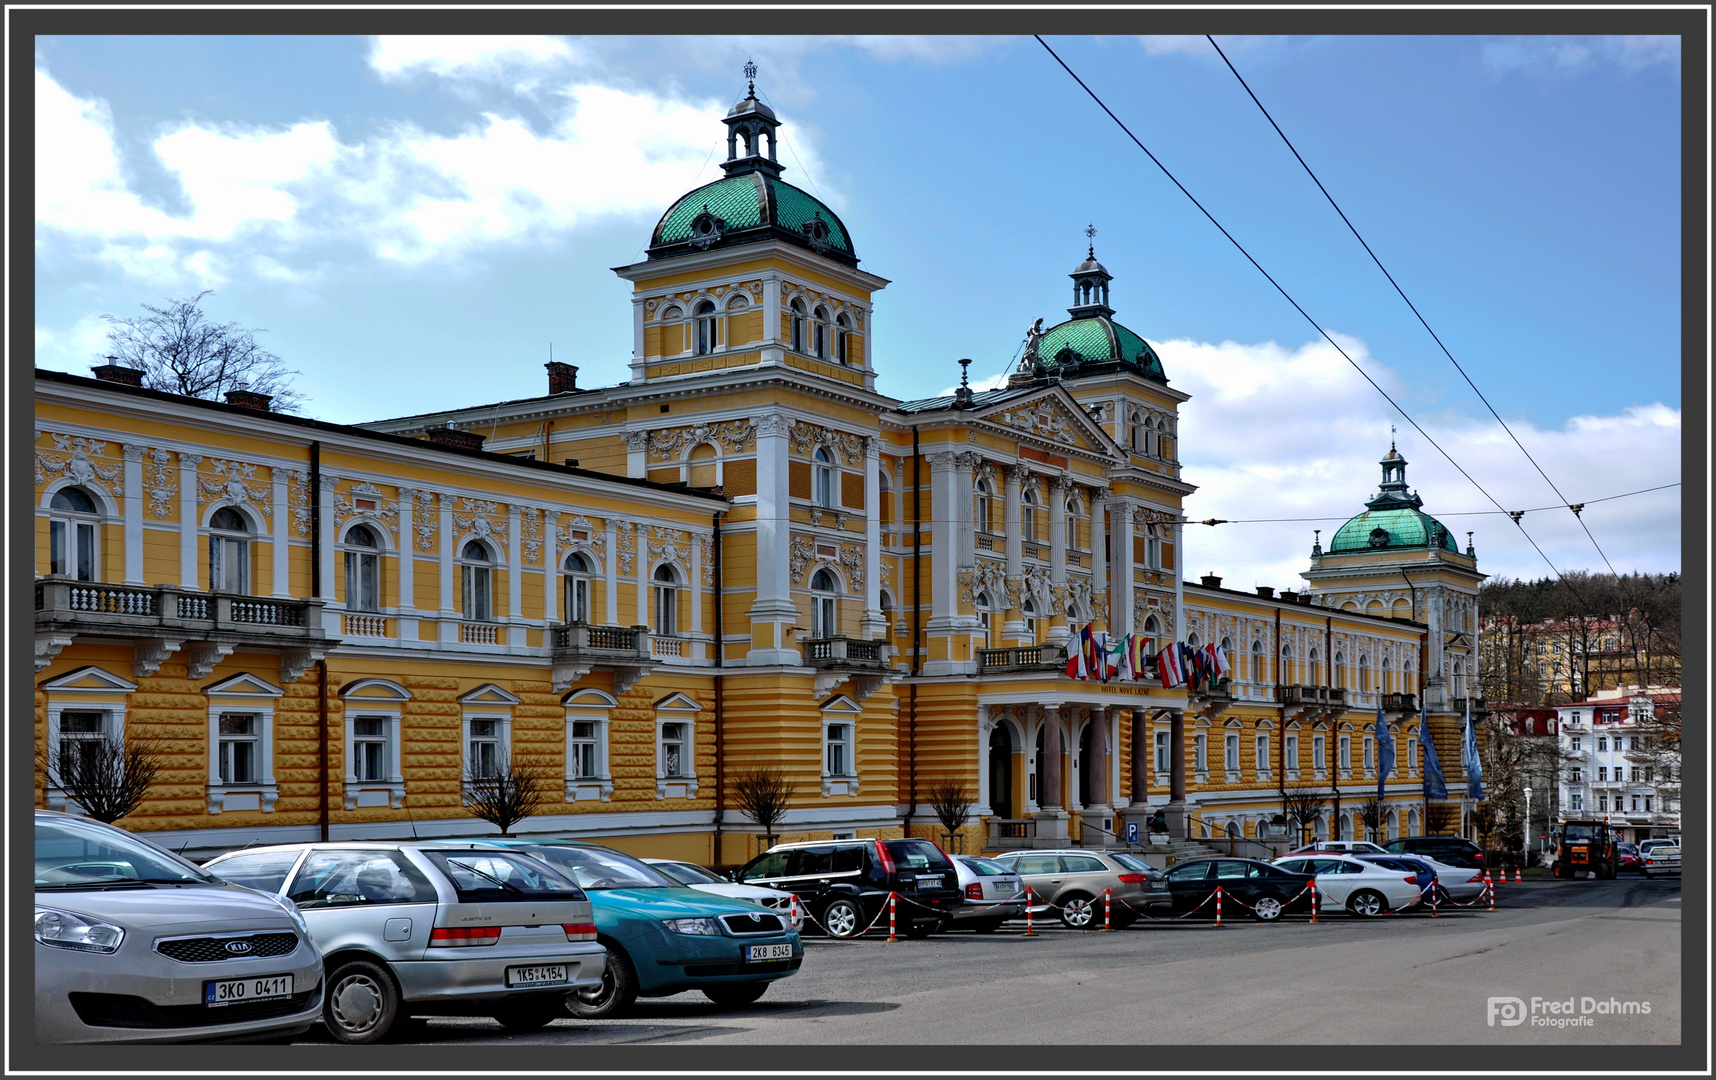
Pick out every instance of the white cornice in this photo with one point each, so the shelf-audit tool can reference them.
(750, 252)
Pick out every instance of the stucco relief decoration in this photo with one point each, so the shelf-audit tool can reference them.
(801, 553)
(736, 435)
(480, 518)
(1138, 612)
(634, 440)
(670, 545)
(772, 424)
(567, 538)
(160, 482)
(366, 500)
(78, 465)
(984, 471)
(1145, 515)
(530, 533)
(1099, 606)
(236, 482)
(626, 544)
(425, 520)
(1037, 586)
(989, 577)
(707, 548)
(807, 437)
(1078, 593)
(852, 561)
(1041, 419)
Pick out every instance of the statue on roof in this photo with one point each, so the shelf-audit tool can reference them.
(1033, 334)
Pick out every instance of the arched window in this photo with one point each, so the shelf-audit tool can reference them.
(819, 332)
(1288, 674)
(842, 328)
(1459, 679)
(797, 308)
(229, 551)
(824, 605)
(1339, 671)
(363, 569)
(476, 583)
(1227, 653)
(984, 607)
(888, 610)
(666, 600)
(1316, 661)
(708, 328)
(1193, 641)
(822, 478)
(1028, 520)
(1153, 547)
(1383, 682)
(72, 534)
(985, 506)
(1152, 627)
(578, 571)
(1030, 611)
(1364, 673)
(1137, 436)
(1257, 672)
(1072, 523)
(885, 494)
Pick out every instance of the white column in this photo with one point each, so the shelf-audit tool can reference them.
(188, 520)
(407, 627)
(514, 563)
(873, 625)
(640, 542)
(639, 364)
(326, 500)
(636, 464)
(1013, 628)
(449, 599)
(985, 724)
(550, 567)
(1120, 592)
(1180, 585)
(280, 541)
(1059, 491)
(953, 549)
(696, 584)
(611, 573)
(773, 606)
(1098, 540)
(133, 511)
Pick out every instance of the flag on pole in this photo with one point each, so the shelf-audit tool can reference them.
(1139, 647)
(1434, 786)
(1384, 755)
(1471, 759)
(1219, 655)
(1075, 655)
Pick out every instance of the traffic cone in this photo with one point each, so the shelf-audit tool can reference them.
(1519, 878)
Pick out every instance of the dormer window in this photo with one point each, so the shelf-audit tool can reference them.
(706, 229)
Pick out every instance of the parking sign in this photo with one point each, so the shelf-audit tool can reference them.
(1131, 832)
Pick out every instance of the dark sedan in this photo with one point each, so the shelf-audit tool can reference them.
(1266, 891)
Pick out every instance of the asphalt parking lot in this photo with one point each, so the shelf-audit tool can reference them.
(1400, 979)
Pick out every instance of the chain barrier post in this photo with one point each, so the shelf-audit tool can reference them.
(891, 937)
(797, 920)
(1218, 906)
(1490, 889)
(1029, 903)
(1314, 904)
(1107, 910)
(1435, 892)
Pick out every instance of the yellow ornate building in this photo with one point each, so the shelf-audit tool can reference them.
(743, 555)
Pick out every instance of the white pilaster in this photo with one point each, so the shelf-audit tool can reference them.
(325, 498)
(449, 598)
(281, 540)
(1120, 589)
(514, 563)
(133, 511)
(1098, 544)
(773, 605)
(407, 564)
(1059, 491)
(611, 573)
(550, 567)
(873, 625)
(636, 464)
(1013, 628)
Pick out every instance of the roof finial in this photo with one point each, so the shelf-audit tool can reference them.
(1090, 234)
(962, 396)
(1391, 437)
(964, 371)
(750, 77)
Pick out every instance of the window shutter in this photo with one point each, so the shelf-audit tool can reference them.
(798, 479)
(740, 477)
(852, 490)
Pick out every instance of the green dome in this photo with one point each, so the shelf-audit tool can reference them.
(1384, 530)
(1096, 340)
(748, 208)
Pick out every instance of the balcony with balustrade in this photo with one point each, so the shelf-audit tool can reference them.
(837, 659)
(629, 652)
(1022, 659)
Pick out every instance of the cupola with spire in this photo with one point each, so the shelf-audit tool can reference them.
(1091, 342)
(749, 123)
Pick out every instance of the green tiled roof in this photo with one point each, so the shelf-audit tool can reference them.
(1404, 529)
(749, 201)
(794, 209)
(1099, 340)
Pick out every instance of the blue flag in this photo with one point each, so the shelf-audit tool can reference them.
(1470, 758)
(1434, 786)
(1384, 755)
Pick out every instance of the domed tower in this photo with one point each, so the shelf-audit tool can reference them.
(1090, 343)
(1395, 561)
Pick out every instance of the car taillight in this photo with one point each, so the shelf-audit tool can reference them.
(579, 931)
(974, 891)
(1134, 879)
(886, 859)
(1411, 879)
(464, 935)
(1475, 879)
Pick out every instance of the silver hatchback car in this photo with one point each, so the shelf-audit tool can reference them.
(425, 929)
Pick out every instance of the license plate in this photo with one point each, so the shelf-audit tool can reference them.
(933, 881)
(755, 953)
(1006, 888)
(233, 991)
(540, 975)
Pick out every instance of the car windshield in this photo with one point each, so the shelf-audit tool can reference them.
(599, 868)
(482, 876)
(984, 867)
(74, 854)
(1579, 833)
(918, 855)
(684, 873)
(1131, 862)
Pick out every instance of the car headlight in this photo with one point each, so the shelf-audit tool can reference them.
(69, 930)
(693, 926)
(294, 914)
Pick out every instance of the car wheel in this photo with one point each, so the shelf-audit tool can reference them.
(1078, 912)
(842, 919)
(361, 1004)
(613, 998)
(1267, 909)
(1367, 903)
(735, 993)
(986, 926)
(532, 1015)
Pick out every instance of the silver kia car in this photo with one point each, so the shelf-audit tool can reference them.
(432, 929)
(134, 944)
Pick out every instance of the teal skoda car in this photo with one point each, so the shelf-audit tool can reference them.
(663, 939)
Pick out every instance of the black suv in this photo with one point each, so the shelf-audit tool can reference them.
(1453, 850)
(844, 884)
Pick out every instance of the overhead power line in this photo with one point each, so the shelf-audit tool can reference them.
(1296, 306)
(1572, 506)
(1456, 513)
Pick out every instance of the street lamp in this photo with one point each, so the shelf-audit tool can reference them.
(1526, 851)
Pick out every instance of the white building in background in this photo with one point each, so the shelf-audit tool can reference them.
(1614, 764)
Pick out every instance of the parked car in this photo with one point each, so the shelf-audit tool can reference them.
(1423, 876)
(1343, 847)
(993, 894)
(1628, 857)
(1461, 884)
(1361, 888)
(1660, 857)
(431, 929)
(692, 876)
(844, 884)
(1073, 882)
(134, 944)
(663, 938)
(1453, 850)
(1268, 891)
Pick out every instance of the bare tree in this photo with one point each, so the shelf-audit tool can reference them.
(1302, 806)
(107, 778)
(1440, 819)
(1370, 812)
(952, 805)
(507, 794)
(763, 793)
(181, 352)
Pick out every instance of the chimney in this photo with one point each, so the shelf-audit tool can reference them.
(562, 378)
(1266, 591)
(118, 373)
(1210, 581)
(448, 434)
(245, 398)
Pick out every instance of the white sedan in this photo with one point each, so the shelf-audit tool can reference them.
(1354, 885)
(693, 876)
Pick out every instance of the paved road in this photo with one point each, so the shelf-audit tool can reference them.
(1402, 979)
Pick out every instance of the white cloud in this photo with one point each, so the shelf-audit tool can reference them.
(1562, 56)
(939, 49)
(1289, 433)
(465, 56)
(1195, 44)
(73, 348)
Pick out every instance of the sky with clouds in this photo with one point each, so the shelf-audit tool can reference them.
(415, 221)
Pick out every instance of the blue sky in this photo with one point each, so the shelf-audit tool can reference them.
(415, 220)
